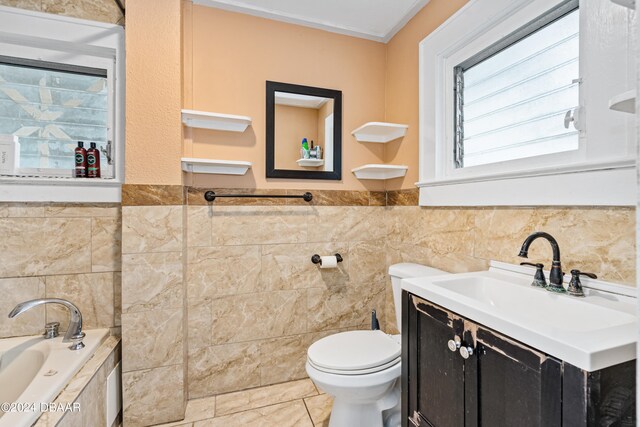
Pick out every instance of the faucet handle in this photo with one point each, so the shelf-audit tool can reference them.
(76, 341)
(539, 280)
(575, 286)
(51, 330)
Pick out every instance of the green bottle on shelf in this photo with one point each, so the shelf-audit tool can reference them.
(305, 149)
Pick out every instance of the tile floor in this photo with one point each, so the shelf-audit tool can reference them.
(292, 404)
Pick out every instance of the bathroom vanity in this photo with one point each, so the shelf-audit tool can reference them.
(485, 349)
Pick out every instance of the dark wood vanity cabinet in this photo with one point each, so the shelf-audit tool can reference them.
(502, 383)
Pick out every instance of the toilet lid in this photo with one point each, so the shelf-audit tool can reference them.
(354, 351)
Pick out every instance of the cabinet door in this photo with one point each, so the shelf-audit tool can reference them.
(434, 375)
(517, 386)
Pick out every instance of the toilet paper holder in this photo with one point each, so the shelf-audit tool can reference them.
(316, 259)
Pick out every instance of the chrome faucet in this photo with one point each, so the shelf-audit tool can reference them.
(74, 332)
(555, 275)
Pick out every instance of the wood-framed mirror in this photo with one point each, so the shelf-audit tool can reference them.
(303, 132)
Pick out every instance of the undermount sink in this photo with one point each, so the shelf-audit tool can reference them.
(591, 333)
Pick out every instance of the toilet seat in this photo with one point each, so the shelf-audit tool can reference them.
(355, 353)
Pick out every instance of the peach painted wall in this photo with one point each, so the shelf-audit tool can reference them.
(154, 82)
(292, 124)
(401, 85)
(232, 57)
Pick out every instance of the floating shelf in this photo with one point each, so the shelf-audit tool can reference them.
(379, 132)
(220, 167)
(631, 4)
(215, 121)
(625, 102)
(310, 163)
(374, 171)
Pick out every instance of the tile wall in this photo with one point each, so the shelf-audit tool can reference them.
(153, 314)
(255, 299)
(60, 251)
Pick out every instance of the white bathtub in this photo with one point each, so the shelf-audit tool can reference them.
(33, 371)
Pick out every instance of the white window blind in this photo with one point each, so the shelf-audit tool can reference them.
(49, 108)
(511, 101)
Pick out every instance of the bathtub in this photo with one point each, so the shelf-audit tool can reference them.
(33, 371)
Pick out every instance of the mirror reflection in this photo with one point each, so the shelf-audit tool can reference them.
(304, 131)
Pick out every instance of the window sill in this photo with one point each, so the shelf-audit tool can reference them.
(66, 190)
(602, 184)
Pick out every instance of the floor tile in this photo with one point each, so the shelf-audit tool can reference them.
(264, 396)
(320, 409)
(290, 414)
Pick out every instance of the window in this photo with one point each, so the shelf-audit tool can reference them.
(61, 81)
(48, 108)
(514, 105)
(511, 98)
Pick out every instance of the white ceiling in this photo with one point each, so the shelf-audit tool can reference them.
(377, 20)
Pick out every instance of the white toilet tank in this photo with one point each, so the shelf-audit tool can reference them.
(403, 271)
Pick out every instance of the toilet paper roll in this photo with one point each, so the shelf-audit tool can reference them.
(328, 262)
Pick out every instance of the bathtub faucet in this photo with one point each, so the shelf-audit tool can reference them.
(74, 333)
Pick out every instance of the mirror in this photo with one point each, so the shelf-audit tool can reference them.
(304, 132)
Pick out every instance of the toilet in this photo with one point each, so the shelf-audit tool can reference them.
(361, 369)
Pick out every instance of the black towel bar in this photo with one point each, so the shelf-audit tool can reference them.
(210, 196)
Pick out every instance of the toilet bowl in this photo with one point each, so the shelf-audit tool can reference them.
(361, 369)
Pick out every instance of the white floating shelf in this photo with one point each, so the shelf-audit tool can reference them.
(219, 167)
(631, 4)
(374, 171)
(215, 121)
(379, 132)
(625, 102)
(310, 163)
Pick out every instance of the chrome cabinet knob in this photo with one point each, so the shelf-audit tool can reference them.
(465, 352)
(454, 344)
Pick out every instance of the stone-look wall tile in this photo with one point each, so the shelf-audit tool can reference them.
(91, 293)
(367, 263)
(153, 396)
(290, 266)
(409, 197)
(256, 316)
(117, 299)
(333, 309)
(346, 224)
(151, 229)
(24, 4)
(246, 225)
(199, 226)
(223, 368)
(283, 359)
(106, 242)
(152, 195)
(500, 232)
(44, 246)
(209, 275)
(151, 281)
(452, 262)
(593, 240)
(82, 210)
(199, 323)
(152, 339)
(377, 198)
(21, 210)
(96, 10)
(15, 291)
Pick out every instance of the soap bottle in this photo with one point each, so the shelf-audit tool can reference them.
(93, 161)
(305, 149)
(81, 160)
